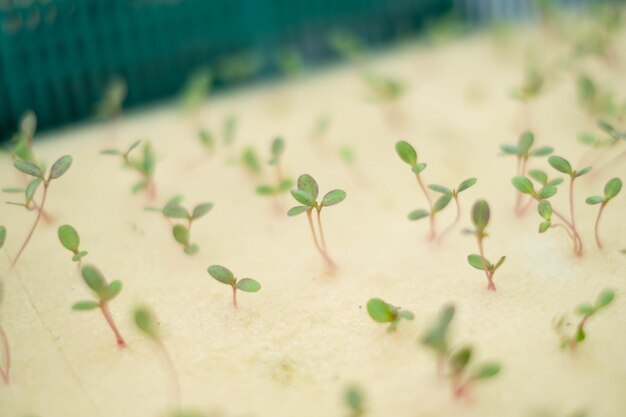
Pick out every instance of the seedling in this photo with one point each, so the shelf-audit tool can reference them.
(196, 89)
(224, 276)
(531, 88)
(586, 311)
(147, 323)
(463, 376)
(22, 141)
(290, 62)
(144, 166)
(613, 138)
(207, 140)
(480, 218)
(436, 338)
(181, 232)
(355, 401)
(597, 100)
(229, 129)
(383, 89)
(59, 168)
(523, 151)
(238, 67)
(283, 184)
(250, 160)
(611, 189)
(320, 127)
(447, 195)
(105, 292)
(346, 45)
(29, 203)
(68, 236)
(383, 312)
(110, 106)
(306, 194)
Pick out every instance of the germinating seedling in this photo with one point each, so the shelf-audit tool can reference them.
(480, 218)
(146, 322)
(182, 232)
(586, 311)
(437, 337)
(196, 90)
(207, 140)
(105, 293)
(354, 399)
(383, 89)
(22, 141)
(306, 194)
(597, 100)
(614, 137)
(68, 236)
(531, 88)
(282, 184)
(523, 151)
(224, 276)
(383, 312)
(59, 168)
(143, 165)
(447, 195)
(611, 189)
(251, 161)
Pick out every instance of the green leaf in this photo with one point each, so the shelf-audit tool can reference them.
(480, 215)
(181, 234)
(110, 152)
(418, 214)
(307, 184)
(294, 211)
(605, 298)
(580, 335)
(523, 185)
(585, 309)
(285, 185)
(417, 168)
(466, 184)
(543, 151)
(265, 190)
(355, 400)
(486, 371)
(406, 152)
(173, 211)
(560, 164)
(200, 210)
(113, 290)
(303, 197)
(60, 167)
(525, 142)
(222, 274)
(133, 146)
(582, 172)
(144, 319)
(544, 208)
(436, 336)
(80, 255)
(69, 237)
(31, 189)
(544, 225)
(141, 185)
(28, 167)
(406, 314)
(278, 146)
(594, 199)
(380, 311)
(13, 190)
(460, 359)
(333, 197)
(191, 249)
(440, 189)
(85, 306)
(94, 279)
(248, 285)
(499, 263)
(539, 176)
(149, 159)
(612, 188)
(555, 182)
(251, 160)
(3, 235)
(207, 139)
(510, 149)
(547, 192)
(477, 262)
(442, 202)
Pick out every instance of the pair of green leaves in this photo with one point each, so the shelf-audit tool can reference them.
(525, 186)
(57, 169)
(604, 299)
(437, 336)
(98, 284)
(307, 193)
(611, 190)
(461, 359)
(382, 312)
(225, 276)
(586, 310)
(443, 201)
(145, 164)
(544, 208)
(408, 155)
(563, 166)
(532, 86)
(481, 263)
(524, 148)
(69, 238)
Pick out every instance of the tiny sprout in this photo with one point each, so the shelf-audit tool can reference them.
(320, 127)
(290, 62)
(355, 401)
(595, 99)
(22, 141)
(586, 310)
(611, 189)
(68, 236)
(283, 184)
(196, 89)
(144, 166)
(224, 276)
(383, 312)
(447, 195)
(436, 338)
(306, 194)
(173, 210)
(113, 98)
(480, 218)
(57, 170)
(229, 129)
(384, 89)
(207, 140)
(105, 292)
(463, 377)
(250, 161)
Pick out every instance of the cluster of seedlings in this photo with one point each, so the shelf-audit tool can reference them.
(143, 165)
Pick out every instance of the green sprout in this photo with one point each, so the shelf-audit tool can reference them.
(597, 100)
(586, 311)
(307, 194)
(382, 312)
(143, 165)
(29, 203)
(531, 88)
(613, 137)
(383, 89)
(611, 189)
(105, 292)
(354, 399)
(229, 129)
(68, 236)
(57, 169)
(173, 210)
(436, 338)
(196, 89)
(463, 375)
(207, 140)
(147, 324)
(22, 141)
(238, 67)
(599, 40)
(320, 127)
(480, 218)
(523, 151)
(250, 160)
(110, 106)
(447, 195)
(347, 45)
(283, 184)
(225, 276)
(290, 62)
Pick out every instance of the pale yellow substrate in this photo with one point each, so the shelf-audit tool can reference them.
(291, 348)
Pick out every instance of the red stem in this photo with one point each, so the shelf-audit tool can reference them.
(235, 296)
(329, 262)
(169, 365)
(104, 307)
(456, 219)
(598, 242)
(430, 205)
(32, 230)
(7, 355)
(579, 247)
(521, 171)
(490, 286)
(319, 226)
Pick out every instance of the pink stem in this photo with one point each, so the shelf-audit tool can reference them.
(430, 205)
(490, 286)
(104, 307)
(598, 241)
(7, 352)
(32, 230)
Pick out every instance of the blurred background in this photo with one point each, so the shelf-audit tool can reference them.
(68, 60)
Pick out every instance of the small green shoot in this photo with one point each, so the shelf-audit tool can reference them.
(105, 292)
(229, 129)
(225, 276)
(382, 312)
(283, 184)
(22, 141)
(354, 399)
(290, 62)
(447, 195)
(597, 100)
(196, 89)
(321, 127)
(481, 215)
(110, 106)
(586, 311)
(207, 140)
(611, 189)
(143, 165)
(383, 89)
(531, 88)
(173, 210)
(69, 238)
(437, 337)
(306, 194)
(463, 376)
(250, 160)
(57, 170)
